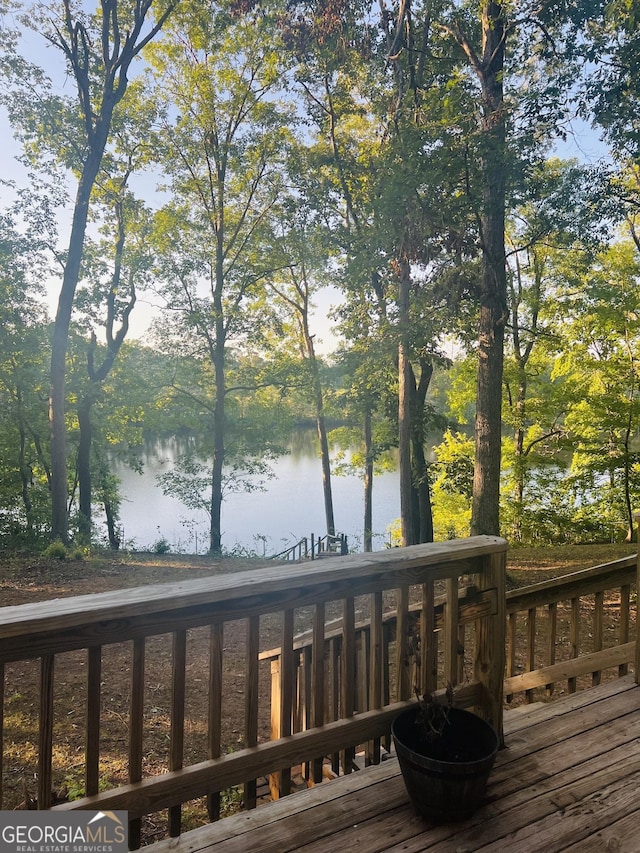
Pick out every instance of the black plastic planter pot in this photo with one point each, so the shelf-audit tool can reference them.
(445, 780)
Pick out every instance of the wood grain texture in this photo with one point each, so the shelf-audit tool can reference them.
(214, 709)
(126, 614)
(45, 736)
(158, 792)
(567, 783)
(92, 748)
(569, 670)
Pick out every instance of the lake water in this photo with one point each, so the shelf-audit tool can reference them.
(265, 522)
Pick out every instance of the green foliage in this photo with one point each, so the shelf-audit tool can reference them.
(55, 551)
(161, 546)
(452, 486)
(24, 344)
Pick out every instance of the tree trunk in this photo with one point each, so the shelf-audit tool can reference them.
(628, 460)
(405, 382)
(117, 53)
(485, 517)
(423, 519)
(59, 514)
(368, 482)
(322, 435)
(218, 358)
(107, 490)
(299, 302)
(25, 477)
(84, 469)
(112, 531)
(217, 470)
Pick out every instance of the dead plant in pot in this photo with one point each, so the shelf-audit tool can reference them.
(446, 755)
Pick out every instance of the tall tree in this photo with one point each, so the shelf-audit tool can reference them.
(223, 154)
(295, 286)
(108, 302)
(530, 51)
(98, 51)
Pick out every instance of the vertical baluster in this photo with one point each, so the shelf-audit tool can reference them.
(428, 647)
(176, 748)
(512, 624)
(553, 636)
(298, 715)
(574, 638)
(530, 663)
(283, 675)
(451, 632)
(387, 631)
(598, 616)
(287, 683)
(304, 688)
(375, 676)
(625, 596)
(275, 781)
(362, 669)
(317, 679)
(45, 739)
(348, 674)
(461, 653)
(404, 689)
(92, 747)
(334, 707)
(214, 737)
(251, 702)
(136, 730)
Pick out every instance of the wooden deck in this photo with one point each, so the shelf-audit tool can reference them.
(568, 780)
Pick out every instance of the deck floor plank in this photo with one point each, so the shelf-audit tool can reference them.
(566, 781)
(582, 789)
(565, 704)
(619, 837)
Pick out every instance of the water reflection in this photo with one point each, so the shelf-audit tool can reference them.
(263, 521)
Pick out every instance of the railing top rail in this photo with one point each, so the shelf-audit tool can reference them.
(283, 554)
(582, 582)
(244, 593)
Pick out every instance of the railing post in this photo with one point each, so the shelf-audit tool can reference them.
(491, 640)
(276, 722)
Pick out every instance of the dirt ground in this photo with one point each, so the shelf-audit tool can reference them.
(29, 579)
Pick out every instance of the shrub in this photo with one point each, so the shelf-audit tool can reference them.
(161, 546)
(55, 551)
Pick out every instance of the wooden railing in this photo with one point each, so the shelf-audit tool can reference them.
(355, 588)
(561, 630)
(558, 631)
(294, 553)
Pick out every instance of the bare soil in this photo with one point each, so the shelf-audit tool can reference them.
(28, 579)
